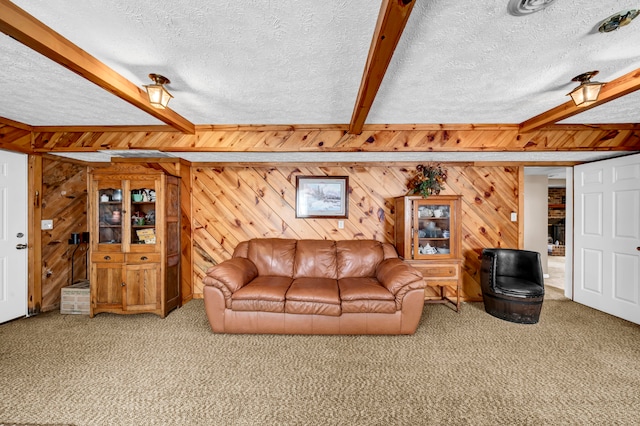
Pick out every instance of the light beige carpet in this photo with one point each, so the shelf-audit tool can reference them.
(577, 366)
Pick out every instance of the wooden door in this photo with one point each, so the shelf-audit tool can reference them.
(434, 228)
(145, 199)
(106, 287)
(607, 236)
(106, 204)
(13, 235)
(142, 287)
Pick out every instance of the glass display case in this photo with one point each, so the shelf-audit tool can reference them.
(427, 236)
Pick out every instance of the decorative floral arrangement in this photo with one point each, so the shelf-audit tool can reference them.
(427, 180)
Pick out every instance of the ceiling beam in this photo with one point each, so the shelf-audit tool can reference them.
(29, 31)
(392, 19)
(613, 90)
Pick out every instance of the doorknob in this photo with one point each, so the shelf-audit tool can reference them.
(21, 246)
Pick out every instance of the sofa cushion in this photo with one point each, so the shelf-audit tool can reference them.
(313, 296)
(272, 256)
(315, 258)
(264, 293)
(241, 250)
(365, 295)
(358, 258)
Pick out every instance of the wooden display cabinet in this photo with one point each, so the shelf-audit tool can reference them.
(428, 236)
(134, 216)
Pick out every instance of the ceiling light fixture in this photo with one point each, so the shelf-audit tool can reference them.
(618, 20)
(159, 97)
(588, 91)
(525, 7)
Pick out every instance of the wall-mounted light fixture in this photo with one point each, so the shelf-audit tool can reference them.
(588, 91)
(159, 97)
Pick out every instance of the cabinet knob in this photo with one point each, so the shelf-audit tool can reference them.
(122, 284)
(107, 258)
(144, 258)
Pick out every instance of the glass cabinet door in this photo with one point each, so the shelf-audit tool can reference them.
(432, 230)
(110, 215)
(143, 213)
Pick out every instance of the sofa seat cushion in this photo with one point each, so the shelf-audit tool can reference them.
(313, 296)
(365, 295)
(264, 293)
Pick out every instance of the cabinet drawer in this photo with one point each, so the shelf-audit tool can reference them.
(142, 258)
(437, 271)
(437, 282)
(107, 257)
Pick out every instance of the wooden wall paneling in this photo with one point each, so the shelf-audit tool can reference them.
(250, 218)
(222, 195)
(64, 200)
(489, 197)
(436, 138)
(372, 199)
(206, 252)
(210, 211)
(275, 195)
(15, 139)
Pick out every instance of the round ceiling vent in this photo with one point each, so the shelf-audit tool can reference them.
(525, 7)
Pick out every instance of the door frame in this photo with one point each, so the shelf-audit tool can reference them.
(568, 234)
(34, 262)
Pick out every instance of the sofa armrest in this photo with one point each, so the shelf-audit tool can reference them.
(231, 275)
(394, 275)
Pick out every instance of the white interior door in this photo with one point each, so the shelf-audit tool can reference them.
(13, 235)
(607, 236)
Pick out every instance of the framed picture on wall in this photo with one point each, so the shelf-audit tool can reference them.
(322, 196)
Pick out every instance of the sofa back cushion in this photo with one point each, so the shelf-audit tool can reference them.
(272, 256)
(358, 258)
(315, 259)
(241, 250)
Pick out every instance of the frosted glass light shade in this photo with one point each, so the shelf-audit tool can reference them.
(586, 93)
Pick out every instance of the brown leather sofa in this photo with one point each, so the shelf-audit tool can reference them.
(285, 286)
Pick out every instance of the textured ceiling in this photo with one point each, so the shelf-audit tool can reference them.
(268, 62)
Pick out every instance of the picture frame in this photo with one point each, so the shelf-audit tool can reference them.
(322, 197)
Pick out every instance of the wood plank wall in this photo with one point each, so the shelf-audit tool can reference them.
(233, 204)
(64, 200)
(14, 138)
(374, 138)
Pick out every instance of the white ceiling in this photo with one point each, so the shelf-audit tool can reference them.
(279, 62)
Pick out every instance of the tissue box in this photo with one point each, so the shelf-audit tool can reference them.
(75, 298)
